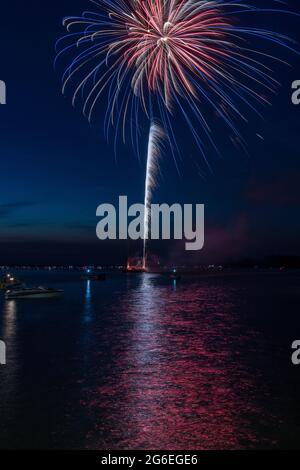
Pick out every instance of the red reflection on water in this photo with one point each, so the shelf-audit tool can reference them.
(175, 381)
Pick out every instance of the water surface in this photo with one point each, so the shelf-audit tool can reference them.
(143, 362)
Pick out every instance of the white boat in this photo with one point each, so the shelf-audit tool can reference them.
(32, 293)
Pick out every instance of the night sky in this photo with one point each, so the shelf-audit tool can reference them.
(56, 168)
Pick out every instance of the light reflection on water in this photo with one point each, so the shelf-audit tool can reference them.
(145, 362)
(176, 385)
(88, 303)
(9, 333)
(9, 319)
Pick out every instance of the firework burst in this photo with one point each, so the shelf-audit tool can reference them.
(161, 55)
(172, 56)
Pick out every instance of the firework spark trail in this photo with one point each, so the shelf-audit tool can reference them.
(154, 148)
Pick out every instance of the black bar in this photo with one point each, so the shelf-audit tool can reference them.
(139, 459)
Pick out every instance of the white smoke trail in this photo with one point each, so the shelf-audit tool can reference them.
(154, 149)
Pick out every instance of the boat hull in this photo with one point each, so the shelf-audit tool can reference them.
(33, 295)
(95, 277)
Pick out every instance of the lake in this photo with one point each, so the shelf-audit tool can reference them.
(144, 362)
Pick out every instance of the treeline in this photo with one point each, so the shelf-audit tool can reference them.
(274, 261)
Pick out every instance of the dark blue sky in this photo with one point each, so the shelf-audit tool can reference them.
(56, 169)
